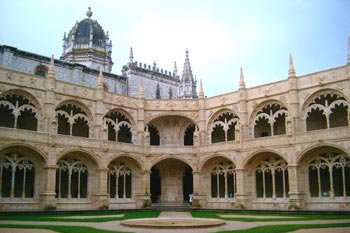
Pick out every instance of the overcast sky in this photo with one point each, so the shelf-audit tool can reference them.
(221, 35)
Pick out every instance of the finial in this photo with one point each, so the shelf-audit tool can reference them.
(154, 65)
(51, 72)
(131, 56)
(201, 92)
(241, 79)
(291, 71)
(100, 80)
(89, 13)
(175, 69)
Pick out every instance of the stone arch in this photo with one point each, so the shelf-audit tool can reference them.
(177, 113)
(121, 126)
(268, 174)
(327, 108)
(22, 171)
(76, 174)
(124, 177)
(223, 125)
(325, 169)
(269, 118)
(150, 165)
(219, 177)
(127, 158)
(33, 101)
(213, 157)
(74, 118)
(171, 128)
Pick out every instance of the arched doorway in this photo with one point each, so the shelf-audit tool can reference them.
(171, 182)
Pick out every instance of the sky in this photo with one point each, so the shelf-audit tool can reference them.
(221, 35)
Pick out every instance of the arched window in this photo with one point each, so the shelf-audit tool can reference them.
(16, 176)
(223, 128)
(72, 120)
(272, 178)
(189, 133)
(154, 135)
(270, 121)
(71, 179)
(326, 111)
(119, 181)
(41, 70)
(119, 127)
(17, 111)
(329, 176)
(223, 180)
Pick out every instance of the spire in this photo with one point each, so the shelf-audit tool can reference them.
(141, 91)
(187, 72)
(89, 13)
(131, 56)
(241, 80)
(291, 71)
(349, 50)
(51, 72)
(201, 92)
(188, 87)
(100, 80)
(175, 70)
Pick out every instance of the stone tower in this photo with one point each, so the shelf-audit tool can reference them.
(88, 44)
(187, 86)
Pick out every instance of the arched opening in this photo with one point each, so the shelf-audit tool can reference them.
(119, 127)
(270, 121)
(223, 127)
(72, 120)
(119, 180)
(41, 70)
(171, 182)
(154, 136)
(156, 185)
(17, 111)
(188, 138)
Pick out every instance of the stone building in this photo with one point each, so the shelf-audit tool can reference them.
(75, 136)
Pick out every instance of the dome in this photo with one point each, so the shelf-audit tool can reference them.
(88, 44)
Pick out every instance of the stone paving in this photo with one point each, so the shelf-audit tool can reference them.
(230, 225)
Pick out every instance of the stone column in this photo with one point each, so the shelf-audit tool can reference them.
(296, 194)
(143, 192)
(243, 194)
(48, 195)
(100, 198)
(198, 197)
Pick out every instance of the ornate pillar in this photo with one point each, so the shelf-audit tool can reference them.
(243, 195)
(100, 198)
(143, 190)
(296, 194)
(48, 195)
(198, 198)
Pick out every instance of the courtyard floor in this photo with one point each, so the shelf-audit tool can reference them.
(229, 226)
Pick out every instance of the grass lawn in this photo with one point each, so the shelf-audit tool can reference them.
(53, 217)
(287, 216)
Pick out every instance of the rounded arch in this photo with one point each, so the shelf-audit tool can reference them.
(261, 105)
(317, 94)
(125, 113)
(177, 113)
(41, 70)
(263, 154)
(319, 148)
(215, 115)
(23, 147)
(79, 104)
(88, 156)
(128, 159)
(32, 99)
(155, 162)
(214, 157)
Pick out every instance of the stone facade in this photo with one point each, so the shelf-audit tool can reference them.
(72, 144)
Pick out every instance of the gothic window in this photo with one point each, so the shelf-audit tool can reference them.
(158, 92)
(119, 181)
(329, 176)
(327, 110)
(223, 180)
(18, 112)
(170, 93)
(71, 179)
(223, 128)
(119, 127)
(272, 178)
(16, 176)
(41, 70)
(154, 135)
(270, 121)
(188, 137)
(72, 120)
